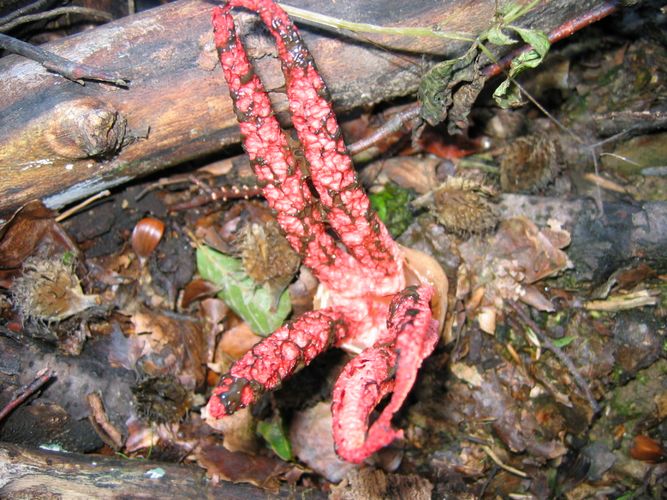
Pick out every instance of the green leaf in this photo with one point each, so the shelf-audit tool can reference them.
(507, 95)
(392, 205)
(68, 258)
(252, 302)
(527, 60)
(538, 40)
(496, 36)
(564, 341)
(273, 433)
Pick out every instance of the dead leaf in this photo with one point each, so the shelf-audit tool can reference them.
(238, 467)
(236, 342)
(32, 227)
(425, 269)
(238, 430)
(170, 345)
(507, 265)
(311, 438)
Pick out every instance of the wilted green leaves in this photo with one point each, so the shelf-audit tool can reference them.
(507, 94)
(449, 89)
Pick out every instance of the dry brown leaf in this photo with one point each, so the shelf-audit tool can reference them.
(238, 430)
(311, 438)
(31, 227)
(507, 265)
(409, 172)
(171, 345)
(423, 268)
(238, 467)
(235, 342)
(196, 290)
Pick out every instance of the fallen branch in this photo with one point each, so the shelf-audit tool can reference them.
(26, 391)
(30, 473)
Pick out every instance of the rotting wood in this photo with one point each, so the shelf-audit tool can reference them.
(31, 473)
(177, 109)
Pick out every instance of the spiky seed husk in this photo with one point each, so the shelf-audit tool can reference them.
(463, 207)
(49, 291)
(267, 256)
(530, 163)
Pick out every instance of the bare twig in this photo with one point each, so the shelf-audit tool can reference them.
(38, 5)
(26, 391)
(95, 14)
(500, 464)
(64, 67)
(391, 126)
(223, 193)
(83, 204)
(562, 357)
(605, 183)
(100, 421)
(322, 20)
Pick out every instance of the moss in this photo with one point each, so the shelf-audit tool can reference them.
(392, 205)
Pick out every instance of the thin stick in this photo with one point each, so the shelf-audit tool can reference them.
(500, 464)
(95, 14)
(64, 67)
(83, 204)
(26, 391)
(341, 24)
(562, 357)
(394, 124)
(24, 11)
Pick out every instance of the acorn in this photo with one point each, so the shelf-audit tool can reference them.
(647, 449)
(463, 206)
(146, 236)
(530, 163)
(49, 290)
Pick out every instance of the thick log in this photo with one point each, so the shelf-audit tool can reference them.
(62, 141)
(34, 473)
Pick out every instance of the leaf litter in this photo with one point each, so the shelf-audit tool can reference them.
(496, 410)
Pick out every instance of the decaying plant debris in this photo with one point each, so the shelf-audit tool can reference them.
(549, 377)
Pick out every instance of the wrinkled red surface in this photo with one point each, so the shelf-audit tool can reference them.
(339, 238)
(275, 359)
(380, 370)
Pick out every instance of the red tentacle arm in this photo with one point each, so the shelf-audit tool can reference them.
(381, 370)
(276, 358)
(273, 161)
(360, 270)
(346, 206)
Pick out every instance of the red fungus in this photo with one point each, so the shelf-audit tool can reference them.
(360, 270)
